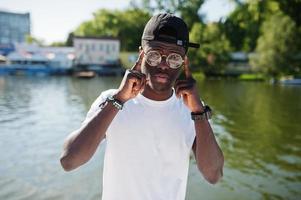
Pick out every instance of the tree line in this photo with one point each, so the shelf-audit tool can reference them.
(269, 29)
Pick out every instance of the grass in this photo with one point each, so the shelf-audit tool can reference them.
(252, 77)
(198, 75)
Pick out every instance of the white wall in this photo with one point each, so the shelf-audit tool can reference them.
(96, 51)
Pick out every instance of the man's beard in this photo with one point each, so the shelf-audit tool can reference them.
(158, 87)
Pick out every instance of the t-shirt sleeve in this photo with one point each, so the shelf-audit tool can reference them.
(190, 137)
(95, 107)
(190, 134)
(189, 124)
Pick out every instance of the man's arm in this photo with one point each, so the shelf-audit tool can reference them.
(80, 145)
(208, 155)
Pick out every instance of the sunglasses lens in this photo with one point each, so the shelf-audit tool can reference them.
(153, 58)
(174, 60)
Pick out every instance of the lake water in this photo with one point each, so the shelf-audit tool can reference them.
(258, 127)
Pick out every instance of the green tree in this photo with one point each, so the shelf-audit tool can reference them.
(33, 40)
(133, 22)
(292, 8)
(242, 26)
(58, 44)
(187, 9)
(86, 29)
(69, 41)
(126, 25)
(276, 46)
(213, 55)
(104, 23)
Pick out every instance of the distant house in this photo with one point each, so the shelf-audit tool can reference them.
(239, 61)
(97, 54)
(96, 51)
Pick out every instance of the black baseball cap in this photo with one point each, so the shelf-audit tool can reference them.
(166, 27)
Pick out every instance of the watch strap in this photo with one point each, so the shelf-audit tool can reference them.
(115, 102)
(204, 115)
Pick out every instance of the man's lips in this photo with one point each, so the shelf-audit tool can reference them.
(161, 77)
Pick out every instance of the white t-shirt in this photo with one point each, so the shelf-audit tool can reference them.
(147, 149)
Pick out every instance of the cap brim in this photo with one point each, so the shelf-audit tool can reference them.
(193, 45)
(169, 40)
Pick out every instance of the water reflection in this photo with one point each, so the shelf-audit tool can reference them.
(263, 121)
(88, 90)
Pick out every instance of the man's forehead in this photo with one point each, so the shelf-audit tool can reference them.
(163, 46)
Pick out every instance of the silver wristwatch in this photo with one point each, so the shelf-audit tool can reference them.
(115, 102)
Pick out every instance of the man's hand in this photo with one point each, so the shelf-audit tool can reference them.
(188, 90)
(133, 82)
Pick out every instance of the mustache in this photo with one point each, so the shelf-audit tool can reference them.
(159, 71)
(166, 75)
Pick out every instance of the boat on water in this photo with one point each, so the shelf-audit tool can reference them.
(35, 60)
(85, 74)
(90, 71)
(32, 69)
(294, 81)
(25, 69)
(290, 80)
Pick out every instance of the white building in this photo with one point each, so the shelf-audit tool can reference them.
(239, 61)
(96, 51)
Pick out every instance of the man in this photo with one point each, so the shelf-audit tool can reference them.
(150, 123)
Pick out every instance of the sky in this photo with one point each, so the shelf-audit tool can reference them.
(52, 20)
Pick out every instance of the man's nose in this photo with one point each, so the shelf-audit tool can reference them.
(163, 64)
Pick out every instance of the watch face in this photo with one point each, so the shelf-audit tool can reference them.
(115, 102)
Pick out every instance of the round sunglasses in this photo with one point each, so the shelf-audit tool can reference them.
(173, 60)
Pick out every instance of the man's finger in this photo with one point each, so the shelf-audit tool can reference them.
(137, 65)
(190, 80)
(134, 73)
(182, 91)
(184, 85)
(137, 86)
(186, 68)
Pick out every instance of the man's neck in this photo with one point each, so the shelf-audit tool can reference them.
(149, 93)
